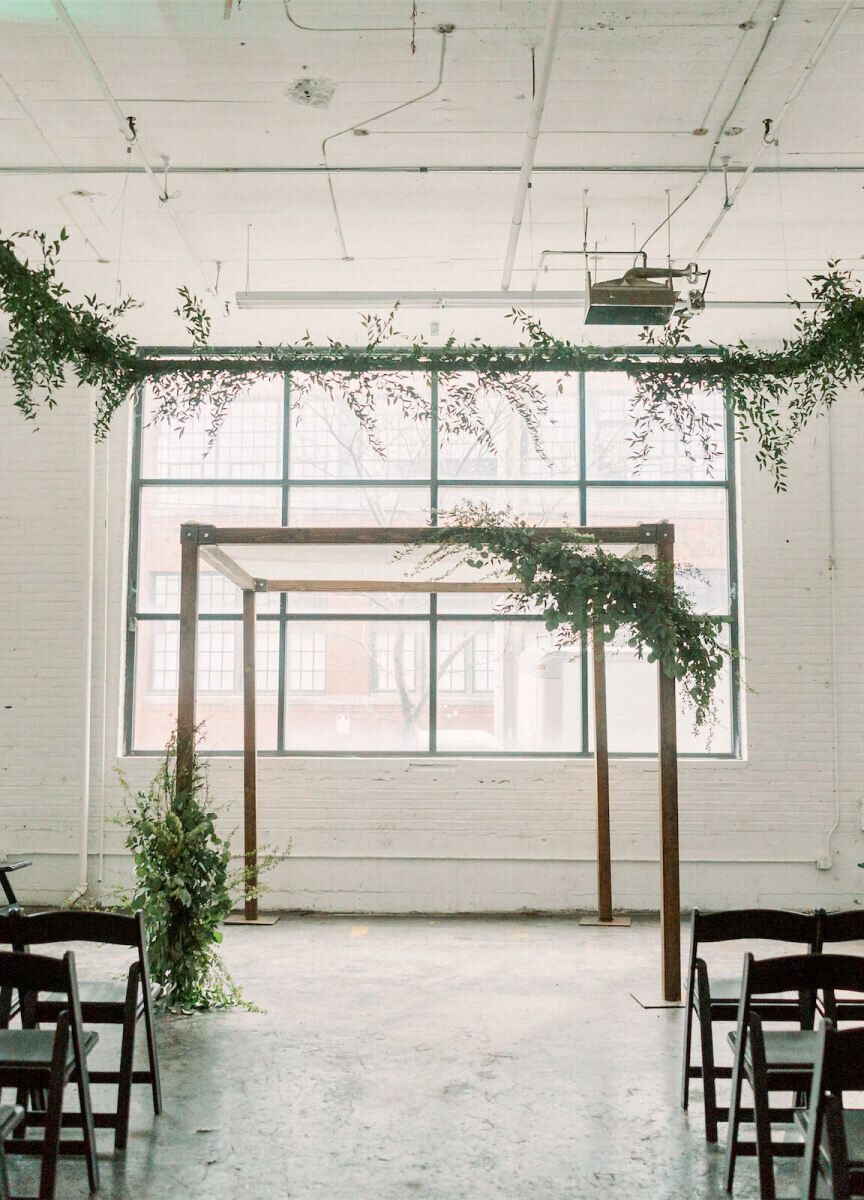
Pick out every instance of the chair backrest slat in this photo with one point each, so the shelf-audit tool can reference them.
(38, 929)
(35, 972)
(805, 972)
(772, 924)
(841, 926)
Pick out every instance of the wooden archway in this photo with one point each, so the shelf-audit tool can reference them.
(238, 564)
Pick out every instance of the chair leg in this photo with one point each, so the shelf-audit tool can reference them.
(5, 1193)
(82, 1079)
(709, 1078)
(764, 1151)
(152, 1055)
(124, 1078)
(54, 1111)
(22, 1096)
(734, 1117)
(688, 1040)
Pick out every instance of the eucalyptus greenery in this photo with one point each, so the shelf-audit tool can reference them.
(48, 334)
(579, 585)
(183, 884)
(773, 393)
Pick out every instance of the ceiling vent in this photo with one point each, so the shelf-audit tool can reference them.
(642, 295)
(313, 92)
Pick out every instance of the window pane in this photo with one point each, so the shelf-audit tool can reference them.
(699, 515)
(328, 442)
(365, 686)
(609, 428)
(359, 506)
(539, 506)
(374, 603)
(248, 445)
(163, 511)
(514, 456)
(631, 702)
(220, 683)
(506, 686)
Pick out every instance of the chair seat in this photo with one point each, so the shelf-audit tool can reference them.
(22, 1048)
(728, 991)
(786, 1049)
(853, 1125)
(100, 1002)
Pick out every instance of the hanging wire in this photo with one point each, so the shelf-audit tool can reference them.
(119, 295)
(723, 124)
(444, 30)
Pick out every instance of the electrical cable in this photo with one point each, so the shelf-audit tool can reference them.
(410, 28)
(444, 30)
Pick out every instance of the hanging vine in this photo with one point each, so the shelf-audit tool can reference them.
(773, 393)
(577, 584)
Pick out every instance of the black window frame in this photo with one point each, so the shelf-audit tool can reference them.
(432, 618)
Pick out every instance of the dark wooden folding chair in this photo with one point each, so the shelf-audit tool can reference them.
(11, 906)
(11, 1116)
(834, 1147)
(40, 1062)
(834, 929)
(102, 1003)
(778, 1060)
(714, 1000)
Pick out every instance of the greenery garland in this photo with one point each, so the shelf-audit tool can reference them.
(577, 584)
(773, 393)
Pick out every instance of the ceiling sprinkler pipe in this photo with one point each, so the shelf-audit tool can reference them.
(544, 72)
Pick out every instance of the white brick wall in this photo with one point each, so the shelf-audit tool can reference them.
(413, 835)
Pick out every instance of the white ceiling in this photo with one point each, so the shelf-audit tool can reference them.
(630, 83)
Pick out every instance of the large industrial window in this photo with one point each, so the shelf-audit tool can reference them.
(411, 673)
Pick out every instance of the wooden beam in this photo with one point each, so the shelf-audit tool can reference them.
(250, 760)
(226, 566)
(670, 888)
(601, 777)
(504, 587)
(366, 535)
(188, 656)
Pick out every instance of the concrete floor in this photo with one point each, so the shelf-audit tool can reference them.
(415, 1057)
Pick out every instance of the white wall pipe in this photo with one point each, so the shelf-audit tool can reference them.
(826, 858)
(84, 831)
(544, 72)
(103, 740)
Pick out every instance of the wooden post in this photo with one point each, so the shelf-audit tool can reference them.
(601, 777)
(188, 655)
(670, 898)
(250, 761)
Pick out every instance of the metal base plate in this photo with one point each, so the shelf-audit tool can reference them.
(239, 919)
(620, 921)
(656, 1002)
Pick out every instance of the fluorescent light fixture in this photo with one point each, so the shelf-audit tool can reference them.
(389, 300)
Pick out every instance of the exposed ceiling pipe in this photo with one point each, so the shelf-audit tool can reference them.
(126, 127)
(544, 71)
(724, 124)
(767, 140)
(447, 169)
